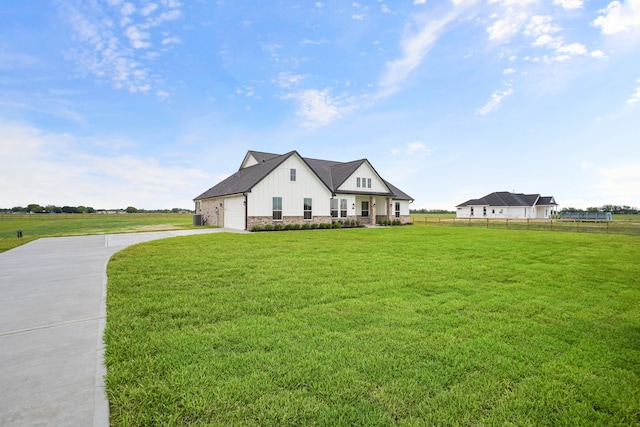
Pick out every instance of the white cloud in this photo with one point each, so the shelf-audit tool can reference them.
(317, 107)
(171, 40)
(412, 148)
(414, 48)
(494, 101)
(286, 79)
(539, 25)
(635, 97)
(149, 9)
(419, 1)
(137, 38)
(47, 168)
(109, 53)
(359, 17)
(503, 29)
(620, 182)
(619, 17)
(569, 4)
(508, 71)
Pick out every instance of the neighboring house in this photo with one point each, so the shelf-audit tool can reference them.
(289, 189)
(503, 204)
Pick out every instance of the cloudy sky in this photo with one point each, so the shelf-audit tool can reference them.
(148, 103)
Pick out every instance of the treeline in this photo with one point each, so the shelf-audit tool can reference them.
(430, 211)
(52, 209)
(614, 209)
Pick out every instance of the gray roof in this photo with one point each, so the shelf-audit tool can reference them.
(332, 174)
(505, 198)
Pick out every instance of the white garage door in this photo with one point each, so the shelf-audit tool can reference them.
(234, 216)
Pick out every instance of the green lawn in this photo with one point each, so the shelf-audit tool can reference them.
(403, 326)
(47, 225)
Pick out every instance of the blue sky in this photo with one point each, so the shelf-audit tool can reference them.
(148, 103)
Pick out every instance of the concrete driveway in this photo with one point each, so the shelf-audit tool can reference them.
(52, 318)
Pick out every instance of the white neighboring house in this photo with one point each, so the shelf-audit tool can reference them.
(503, 204)
(289, 189)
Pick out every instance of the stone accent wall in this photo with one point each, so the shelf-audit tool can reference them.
(264, 220)
(212, 211)
(404, 219)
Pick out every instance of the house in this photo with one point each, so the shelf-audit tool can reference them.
(290, 189)
(503, 204)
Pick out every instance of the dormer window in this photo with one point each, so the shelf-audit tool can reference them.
(292, 175)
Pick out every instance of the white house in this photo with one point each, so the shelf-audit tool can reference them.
(289, 189)
(508, 205)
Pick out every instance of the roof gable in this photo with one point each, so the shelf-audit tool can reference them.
(505, 198)
(255, 157)
(257, 165)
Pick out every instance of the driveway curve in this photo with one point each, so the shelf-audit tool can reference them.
(52, 318)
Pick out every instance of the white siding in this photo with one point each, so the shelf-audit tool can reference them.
(404, 206)
(234, 213)
(364, 171)
(293, 193)
(515, 212)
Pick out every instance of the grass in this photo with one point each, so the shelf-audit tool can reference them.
(46, 225)
(401, 326)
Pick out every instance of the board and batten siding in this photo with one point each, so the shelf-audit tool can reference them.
(364, 171)
(293, 193)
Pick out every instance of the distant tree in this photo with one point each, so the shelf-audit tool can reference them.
(131, 209)
(90, 210)
(18, 209)
(69, 209)
(35, 208)
(81, 209)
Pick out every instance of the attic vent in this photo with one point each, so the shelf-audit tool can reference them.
(262, 160)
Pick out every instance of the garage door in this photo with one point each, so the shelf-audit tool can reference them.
(234, 216)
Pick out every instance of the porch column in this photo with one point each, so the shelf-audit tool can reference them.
(372, 210)
(389, 209)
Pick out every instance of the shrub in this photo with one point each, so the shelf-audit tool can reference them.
(306, 226)
(325, 225)
(315, 225)
(288, 227)
(397, 222)
(347, 223)
(277, 227)
(268, 227)
(356, 223)
(256, 227)
(297, 226)
(337, 224)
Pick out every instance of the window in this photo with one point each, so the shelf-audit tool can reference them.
(292, 174)
(368, 182)
(334, 208)
(365, 209)
(471, 210)
(484, 211)
(397, 209)
(277, 208)
(343, 208)
(358, 182)
(307, 208)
